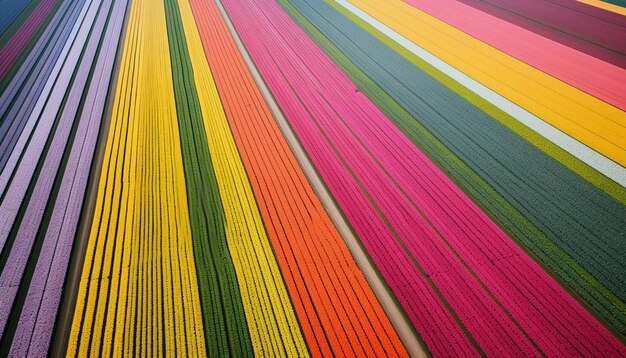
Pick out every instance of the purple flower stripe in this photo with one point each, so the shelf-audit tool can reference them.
(20, 39)
(20, 253)
(15, 179)
(20, 97)
(43, 299)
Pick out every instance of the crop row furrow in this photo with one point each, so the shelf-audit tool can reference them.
(336, 309)
(492, 163)
(224, 318)
(271, 319)
(454, 251)
(38, 234)
(17, 39)
(141, 222)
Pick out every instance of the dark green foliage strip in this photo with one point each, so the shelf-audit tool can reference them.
(557, 216)
(222, 308)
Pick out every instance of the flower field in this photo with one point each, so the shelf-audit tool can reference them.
(292, 178)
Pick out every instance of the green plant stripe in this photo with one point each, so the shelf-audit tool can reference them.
(564, 157)
(9, 32)
(621, 3)
(223, 315)
(17, 22)
(508, 216)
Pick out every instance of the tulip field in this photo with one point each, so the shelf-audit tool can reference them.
(295, 178)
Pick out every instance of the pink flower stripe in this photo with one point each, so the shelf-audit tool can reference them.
(12, 49)
(585, 72)
(456, 274)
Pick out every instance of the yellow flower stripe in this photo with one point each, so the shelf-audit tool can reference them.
(138, 291)
(274, 329)
(606, 6)
(584, 117)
